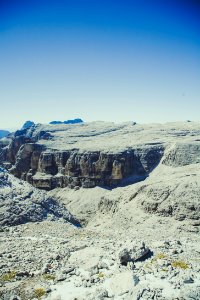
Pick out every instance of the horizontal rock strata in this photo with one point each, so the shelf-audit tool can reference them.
(87, 155)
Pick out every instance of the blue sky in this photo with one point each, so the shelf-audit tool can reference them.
(99, 60)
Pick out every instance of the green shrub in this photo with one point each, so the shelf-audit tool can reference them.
(101, 275)
(161, 255)
(39, 292)
(8, 276)
(49, 277)
(180, 264)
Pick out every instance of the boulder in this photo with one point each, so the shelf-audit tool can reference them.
(133, 252)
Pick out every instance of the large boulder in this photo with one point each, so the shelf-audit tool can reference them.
(132, 252)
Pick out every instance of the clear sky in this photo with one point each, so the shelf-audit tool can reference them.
(99, 60)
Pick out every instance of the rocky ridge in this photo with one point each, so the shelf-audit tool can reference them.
(21, 203)
(74, 121)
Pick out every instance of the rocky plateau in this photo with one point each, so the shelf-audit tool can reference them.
(100, 211)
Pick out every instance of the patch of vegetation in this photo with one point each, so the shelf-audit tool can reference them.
(101, 275)
(39, 292)
(8, 276)
(148, 266)
(153, 261)
(49, 277)
(180, 264)
(161, 255)
(164, 270)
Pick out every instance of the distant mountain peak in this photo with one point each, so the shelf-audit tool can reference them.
(27, 125)
(3, 133)
(74, 121)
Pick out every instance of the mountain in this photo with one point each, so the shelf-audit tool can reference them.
(27, 125)
(111, 155)
(135, 190)
(74, 121)
(56, 122)
(3, 133)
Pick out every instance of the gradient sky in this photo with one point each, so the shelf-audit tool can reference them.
(99, 60)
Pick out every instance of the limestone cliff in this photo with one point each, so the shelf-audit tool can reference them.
(90, 154)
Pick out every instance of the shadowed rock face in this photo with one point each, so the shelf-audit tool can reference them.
(4, 142)
(87, 155)
(50, 169)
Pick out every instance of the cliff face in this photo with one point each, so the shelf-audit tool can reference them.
(49, 169)
(88, 155)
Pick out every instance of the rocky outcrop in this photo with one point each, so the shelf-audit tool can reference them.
(133, 252)
(182, 154)
(21, 203)
(4, 142)
(49, 169)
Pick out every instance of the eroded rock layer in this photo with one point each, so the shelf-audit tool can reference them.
(91, 154)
